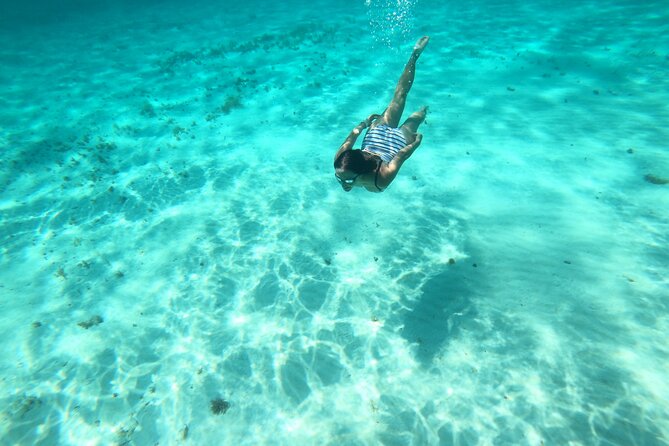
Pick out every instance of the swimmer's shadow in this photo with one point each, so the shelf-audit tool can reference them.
(440, 313)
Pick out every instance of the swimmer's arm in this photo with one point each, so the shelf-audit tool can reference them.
(350, 139)
(404, 154)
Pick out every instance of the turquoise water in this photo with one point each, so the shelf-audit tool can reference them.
(179, 266)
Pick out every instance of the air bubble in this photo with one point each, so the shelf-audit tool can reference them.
(391, 21)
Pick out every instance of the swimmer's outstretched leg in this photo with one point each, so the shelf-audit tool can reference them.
(394, 111)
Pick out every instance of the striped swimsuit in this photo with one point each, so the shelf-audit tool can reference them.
(383, 141)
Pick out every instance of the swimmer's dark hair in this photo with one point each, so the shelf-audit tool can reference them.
(356, 162)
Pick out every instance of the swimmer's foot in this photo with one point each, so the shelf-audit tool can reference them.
(424, 110)
(420, 45)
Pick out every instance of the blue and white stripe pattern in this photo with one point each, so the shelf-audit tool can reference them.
(384, 141)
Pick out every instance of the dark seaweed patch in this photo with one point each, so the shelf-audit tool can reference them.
(219, 406)
(653, 179)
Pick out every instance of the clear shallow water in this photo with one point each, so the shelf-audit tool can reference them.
(172, 234)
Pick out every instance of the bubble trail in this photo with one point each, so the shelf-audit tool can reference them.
(390, 21)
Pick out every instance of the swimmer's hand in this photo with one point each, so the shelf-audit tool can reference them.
(364, 124)
(416, 143)
(371, 118)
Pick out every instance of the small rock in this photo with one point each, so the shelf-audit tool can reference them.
(653, 179)
(95, 320)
